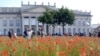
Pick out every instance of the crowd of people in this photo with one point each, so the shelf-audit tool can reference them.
(12, 34)
(27, 34)
(70, 34)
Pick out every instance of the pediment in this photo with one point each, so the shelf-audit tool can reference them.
(37, 9)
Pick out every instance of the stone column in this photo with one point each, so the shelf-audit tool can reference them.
(61, 30)
(22, 25)
(44, 29)
(50, 29)
(37, 25)
(29, 22)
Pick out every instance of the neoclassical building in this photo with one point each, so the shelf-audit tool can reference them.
(26, 16)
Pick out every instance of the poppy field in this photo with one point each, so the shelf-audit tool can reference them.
(50, 46)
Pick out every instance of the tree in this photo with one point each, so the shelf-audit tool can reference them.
(61, 16)
(46, 18)
(54, 22)
(64, 16)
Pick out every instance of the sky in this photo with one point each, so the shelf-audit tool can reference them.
(82, 5)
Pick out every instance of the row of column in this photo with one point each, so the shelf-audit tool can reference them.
(51, 30)
(59, 30)
(29, 23)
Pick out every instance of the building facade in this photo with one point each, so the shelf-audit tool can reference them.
(26, 16)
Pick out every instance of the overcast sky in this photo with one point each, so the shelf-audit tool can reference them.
(82, 5)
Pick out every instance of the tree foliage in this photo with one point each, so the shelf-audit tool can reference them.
(46, 18)
(64, 16)
(61, 16)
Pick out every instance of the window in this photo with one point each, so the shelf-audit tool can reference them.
(79, 30)
(88, 30)
(5, 31)
(4, 22)
(83, 30)
(11, 10)
(69, 30)
(33, 21)
(33, 17)
(16, 9)
(26, 21)
(74, 30)
(79, 23)
(18, 31)
(26, 17)
(4, 9)
(18, 23)
(11, 22)
(83, 23)
(74, 23)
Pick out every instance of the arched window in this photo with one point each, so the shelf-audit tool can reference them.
(18, 23)
(18, 31)
(5, 31)
(4, 22)
(79, 23)
(83, 23)
(11, 22)
(74, 30)
(83, 30)
(69, 30)
(88, 30)
(79, 30)
(74, 23)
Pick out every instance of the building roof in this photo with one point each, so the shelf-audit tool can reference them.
(25, 7)
(95, 25)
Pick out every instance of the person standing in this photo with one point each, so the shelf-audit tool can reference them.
(26, 34)
(9, 34)
(29, 33)
(15, 35)
(33, 33)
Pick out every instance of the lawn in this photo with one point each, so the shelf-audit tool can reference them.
(50, 46)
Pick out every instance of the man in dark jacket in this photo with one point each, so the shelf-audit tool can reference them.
(9, 34)
(25, 34)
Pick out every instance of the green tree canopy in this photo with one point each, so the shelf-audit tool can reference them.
(46, 18)
(64, 16)
(61, 16)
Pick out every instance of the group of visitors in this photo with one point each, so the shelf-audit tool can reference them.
(28, 33)
(75, 34)
(12, 34)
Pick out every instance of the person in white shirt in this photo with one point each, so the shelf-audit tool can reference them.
(15, 35)
(29, 33)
